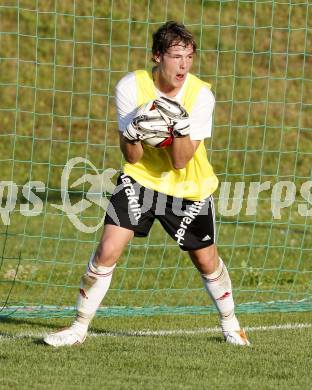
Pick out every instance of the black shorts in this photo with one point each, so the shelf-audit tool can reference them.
(190, 223)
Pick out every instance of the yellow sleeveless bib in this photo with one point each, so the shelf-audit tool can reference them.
(194, 182)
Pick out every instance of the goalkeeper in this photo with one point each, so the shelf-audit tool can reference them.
(177, 181)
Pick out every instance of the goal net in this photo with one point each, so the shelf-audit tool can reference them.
(59, 152)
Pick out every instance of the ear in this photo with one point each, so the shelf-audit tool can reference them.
(157, 58)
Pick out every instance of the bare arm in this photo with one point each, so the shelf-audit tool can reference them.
(132, 152)
(182, 151)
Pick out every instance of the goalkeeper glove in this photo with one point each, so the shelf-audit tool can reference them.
(175, 116)
(148, 123)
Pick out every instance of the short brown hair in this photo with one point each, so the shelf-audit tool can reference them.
(170, 34)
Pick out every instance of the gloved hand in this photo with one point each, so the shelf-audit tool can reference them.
(148, 123)
(175, 116)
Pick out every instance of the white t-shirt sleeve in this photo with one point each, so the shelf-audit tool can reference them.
(201, 115)
(126, 100)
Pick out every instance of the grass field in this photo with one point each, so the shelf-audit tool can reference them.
(191, 355)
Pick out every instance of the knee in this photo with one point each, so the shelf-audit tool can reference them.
(211, 257)
(107, 253)
(206, 260)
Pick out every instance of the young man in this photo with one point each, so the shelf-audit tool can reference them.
(177, 181)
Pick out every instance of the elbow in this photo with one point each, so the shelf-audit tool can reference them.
(132, 156)
(179, 164)
(131, 159)
(180, 161)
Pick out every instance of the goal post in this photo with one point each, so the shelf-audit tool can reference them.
(59, 152)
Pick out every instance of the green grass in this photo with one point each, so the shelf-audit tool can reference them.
(58, 70)
(59, 64)
(57, 101)
(277, 358)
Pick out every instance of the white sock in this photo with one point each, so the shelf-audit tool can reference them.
(219, 287)
(93, 288)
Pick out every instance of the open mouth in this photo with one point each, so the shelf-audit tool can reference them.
(180, 76)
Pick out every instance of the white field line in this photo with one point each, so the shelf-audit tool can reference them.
(174, 332)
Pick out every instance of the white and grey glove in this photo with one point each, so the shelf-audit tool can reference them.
(175, 116)
(148, 123)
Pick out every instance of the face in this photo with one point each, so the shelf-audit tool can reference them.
(173, 67)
